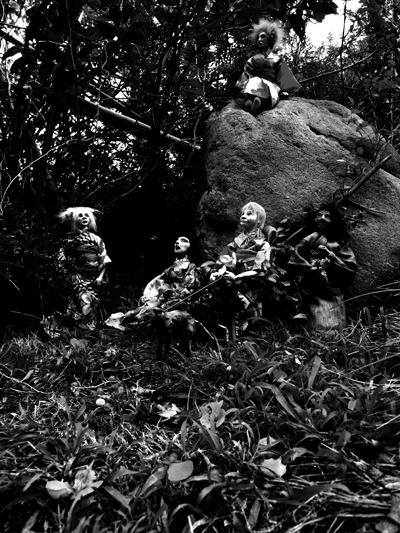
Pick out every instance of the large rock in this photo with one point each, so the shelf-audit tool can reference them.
(291, 158)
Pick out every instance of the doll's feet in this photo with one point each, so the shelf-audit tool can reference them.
(247, 105)
(256, 105)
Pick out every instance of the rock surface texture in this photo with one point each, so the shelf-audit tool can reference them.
(295, 157)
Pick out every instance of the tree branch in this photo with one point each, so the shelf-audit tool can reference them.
(338, 70)
(122, 122)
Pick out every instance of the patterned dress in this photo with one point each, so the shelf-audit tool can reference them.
(177, 281)
(82, 257)
(166, 291)
(243, 298)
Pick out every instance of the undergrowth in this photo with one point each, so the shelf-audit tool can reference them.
(278, 433)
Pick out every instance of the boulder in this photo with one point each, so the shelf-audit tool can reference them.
(294, 157)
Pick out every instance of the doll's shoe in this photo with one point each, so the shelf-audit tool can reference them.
(247, 105)
(256, 105)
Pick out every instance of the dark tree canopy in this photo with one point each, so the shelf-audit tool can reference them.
(104, 102)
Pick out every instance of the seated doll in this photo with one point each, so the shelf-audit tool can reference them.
(178, 280)
(242, 264)
(323, 265)
(165, 291)
(266, 75)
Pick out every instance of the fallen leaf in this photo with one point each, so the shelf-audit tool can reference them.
(58, 489)
(273, 467)
(180, 471)
(168, 411)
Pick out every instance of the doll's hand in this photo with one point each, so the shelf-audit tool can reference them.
(325, 253)
(230, 276)
(99, 281)
(216, 275)
(249, 69)
(324, 263)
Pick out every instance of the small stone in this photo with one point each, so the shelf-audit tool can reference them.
(100, 402)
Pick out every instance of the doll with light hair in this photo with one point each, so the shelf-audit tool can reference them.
(266, 76)
(249, 253)
(83, 259)
(244, 261)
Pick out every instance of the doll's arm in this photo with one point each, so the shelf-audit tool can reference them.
(247, 274)
(100, 278)
(103, 261)
(328, 254)
(249, 67)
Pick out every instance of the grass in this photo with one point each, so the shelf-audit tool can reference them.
(278, 433)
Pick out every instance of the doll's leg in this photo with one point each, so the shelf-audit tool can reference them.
(252, 103)
(255, 105)
(248, 102)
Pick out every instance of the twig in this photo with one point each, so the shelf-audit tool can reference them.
(369, 209)
(361, 181)
(24, 384)
(190, 295)
(338, 70)
(348, 193)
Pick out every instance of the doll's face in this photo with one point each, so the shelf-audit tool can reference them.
(248, 220)
(82, 220)
(181, 246)
(262, 39)
(322, 219)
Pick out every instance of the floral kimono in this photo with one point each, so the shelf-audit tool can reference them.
(167, 290)
(247, 252)
(177, 281)
(82, 258)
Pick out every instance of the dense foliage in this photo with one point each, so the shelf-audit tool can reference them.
(282, 433)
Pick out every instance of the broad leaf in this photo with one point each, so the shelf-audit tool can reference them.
(180, 471)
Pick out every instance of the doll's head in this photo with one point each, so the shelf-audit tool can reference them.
(80, 218)
(252, 208)
(266, 35)
(323, 219)
(181, 246)
(328, 220)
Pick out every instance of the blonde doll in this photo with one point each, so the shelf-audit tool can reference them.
(83, 259)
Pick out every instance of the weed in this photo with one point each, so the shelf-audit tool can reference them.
(278, 433)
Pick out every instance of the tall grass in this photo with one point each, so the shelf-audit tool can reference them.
(278, 433)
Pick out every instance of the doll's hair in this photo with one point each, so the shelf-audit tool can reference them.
(183, 237)
(273, 29)
(258, 210)
(71, 215)
(337, 230)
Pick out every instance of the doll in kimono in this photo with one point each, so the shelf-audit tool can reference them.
(266, 77)
(178, 280)
(242, 266)
(82, 261)
(169, 290)
(324, 266)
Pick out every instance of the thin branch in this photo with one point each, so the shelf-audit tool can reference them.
(338, 70)
(116, 120)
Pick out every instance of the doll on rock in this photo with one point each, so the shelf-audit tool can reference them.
(266, 77)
